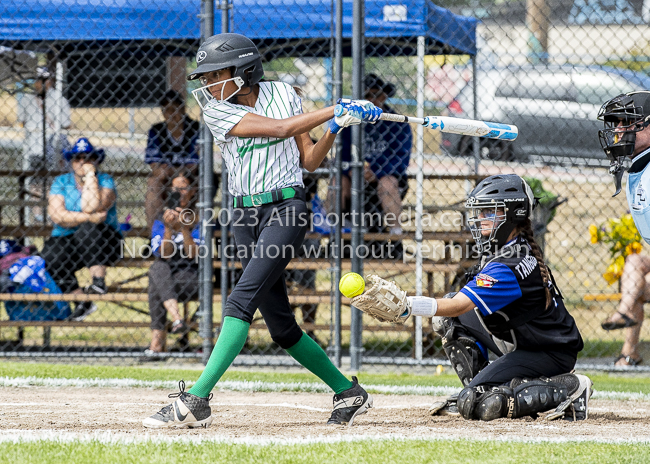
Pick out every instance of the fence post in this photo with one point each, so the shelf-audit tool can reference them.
(336, 249)
(356, 327)
(206, 204)
(419, 195)
(225, 204)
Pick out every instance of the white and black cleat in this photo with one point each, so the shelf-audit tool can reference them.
(576, 406)
(188, 411)
(349, 404)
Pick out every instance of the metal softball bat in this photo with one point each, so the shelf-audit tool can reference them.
(490, 130)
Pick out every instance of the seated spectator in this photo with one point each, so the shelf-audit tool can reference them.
(387, 154)
(635, 290)
(171, 146)
(86, 233)
(173, 276)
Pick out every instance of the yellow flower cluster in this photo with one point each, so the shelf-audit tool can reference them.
(623, 240)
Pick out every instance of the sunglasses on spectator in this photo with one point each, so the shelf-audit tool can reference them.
(90, 158)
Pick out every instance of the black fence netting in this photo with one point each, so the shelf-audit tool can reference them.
(102, 141)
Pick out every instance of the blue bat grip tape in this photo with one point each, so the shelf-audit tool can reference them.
(495, 125)
(339, 110)
(508, 136)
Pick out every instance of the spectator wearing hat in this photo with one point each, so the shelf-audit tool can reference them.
(86, 232)
(387, 153)
(171, 146)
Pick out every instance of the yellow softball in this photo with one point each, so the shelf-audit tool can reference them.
(352, 284)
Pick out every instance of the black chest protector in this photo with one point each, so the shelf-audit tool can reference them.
(528, 322)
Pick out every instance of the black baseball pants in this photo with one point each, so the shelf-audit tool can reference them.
(520, 363)
(266, 239)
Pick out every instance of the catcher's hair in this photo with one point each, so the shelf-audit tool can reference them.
(525, 229)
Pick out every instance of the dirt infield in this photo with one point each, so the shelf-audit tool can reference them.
(295, 415)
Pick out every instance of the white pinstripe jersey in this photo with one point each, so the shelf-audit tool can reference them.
(258, 164)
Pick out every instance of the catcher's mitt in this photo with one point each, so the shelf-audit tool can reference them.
(384, 301)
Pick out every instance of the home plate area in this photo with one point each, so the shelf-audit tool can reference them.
(33, 413)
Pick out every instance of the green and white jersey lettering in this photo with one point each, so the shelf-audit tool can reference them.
(258, 164)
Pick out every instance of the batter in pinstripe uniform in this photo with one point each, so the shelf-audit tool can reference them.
(264, 139)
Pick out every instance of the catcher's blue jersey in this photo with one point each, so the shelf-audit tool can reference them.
(510, 297)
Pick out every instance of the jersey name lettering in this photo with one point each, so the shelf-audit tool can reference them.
(639, 198)
(526, 266)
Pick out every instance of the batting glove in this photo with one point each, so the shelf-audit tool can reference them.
(347, 103)
(344, 120)
(363, 109)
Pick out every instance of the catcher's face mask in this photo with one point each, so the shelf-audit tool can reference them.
(484, 221)
(622, 118)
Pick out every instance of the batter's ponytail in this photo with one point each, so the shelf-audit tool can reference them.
(525, 230)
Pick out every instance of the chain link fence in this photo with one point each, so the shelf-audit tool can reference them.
(113, 75)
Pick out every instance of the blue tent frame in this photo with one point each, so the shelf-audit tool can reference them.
(283, 27)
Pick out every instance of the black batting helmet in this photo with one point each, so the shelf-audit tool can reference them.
(229, 50)
(508, 192)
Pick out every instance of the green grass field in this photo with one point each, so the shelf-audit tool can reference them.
(628, 383)
(367, 451)
(161, 449)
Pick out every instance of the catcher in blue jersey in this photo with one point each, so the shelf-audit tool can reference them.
(509, 306)
(264, 139)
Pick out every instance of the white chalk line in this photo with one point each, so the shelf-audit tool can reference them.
(218, 405)
(119, 438)
(228, 385)
(261, 386)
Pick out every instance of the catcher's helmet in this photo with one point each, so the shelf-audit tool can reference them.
(512, 195)
(229, 50)
(84, 147)
(623, 116)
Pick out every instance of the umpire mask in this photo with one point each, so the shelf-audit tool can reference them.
(623, 116)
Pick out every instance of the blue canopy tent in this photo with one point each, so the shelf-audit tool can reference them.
(301, 27)
(136, 35)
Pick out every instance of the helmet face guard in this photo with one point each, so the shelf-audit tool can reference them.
(485, 220)
(203, 95)
(496, 207)
(622, 118)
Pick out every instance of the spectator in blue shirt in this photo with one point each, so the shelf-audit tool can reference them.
(86, 233)
(387, 152)
(171, 146)
(173, 277)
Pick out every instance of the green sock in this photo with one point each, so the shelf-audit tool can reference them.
(230, 342)
(310, 355)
